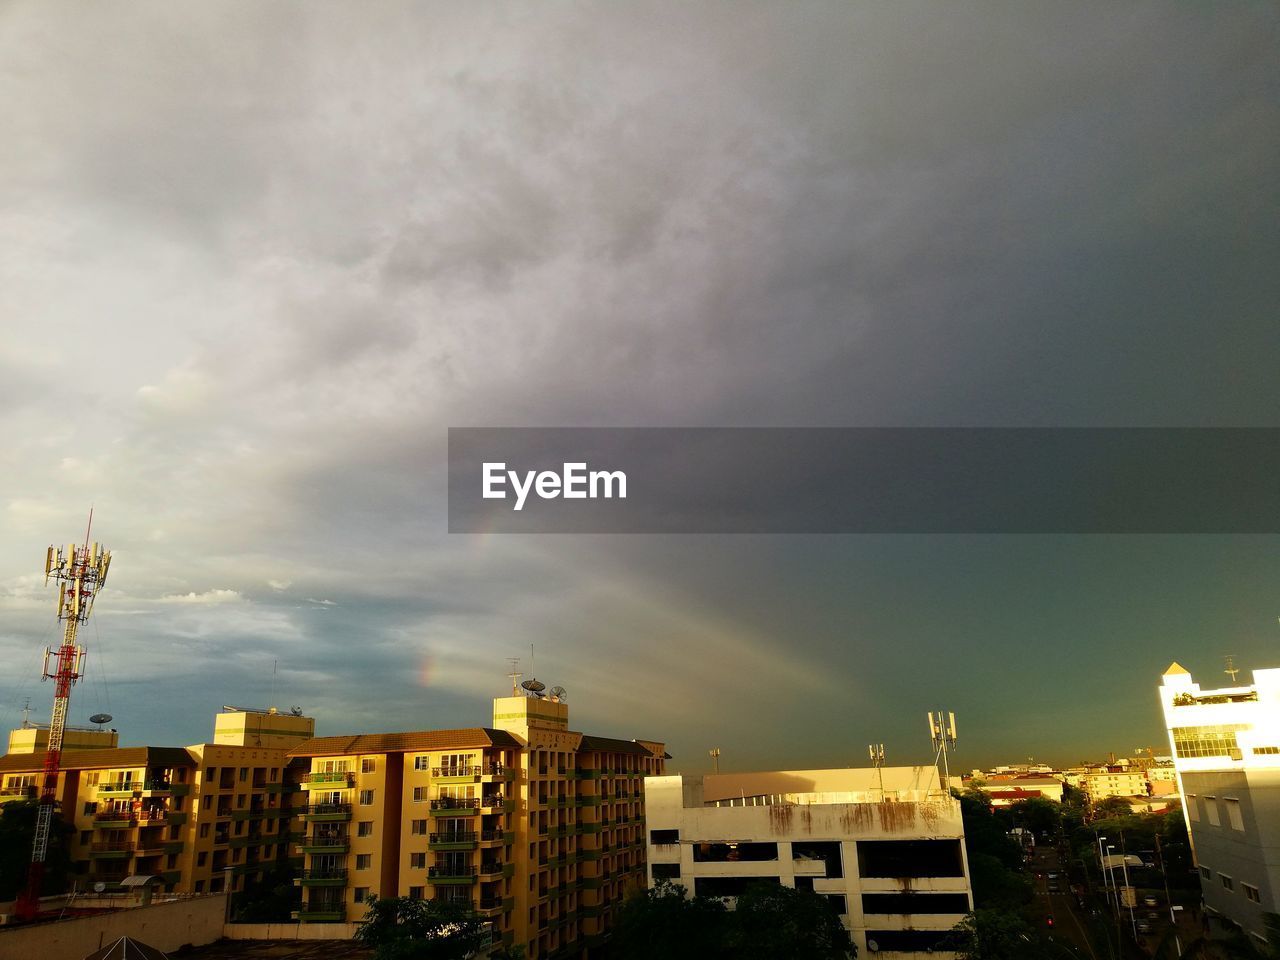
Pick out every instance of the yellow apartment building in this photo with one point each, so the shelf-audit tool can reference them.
(198, 817)
(32, 737)
(539, 827)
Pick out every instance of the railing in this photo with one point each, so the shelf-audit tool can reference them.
(157, 785)
(322, 808)
(151, 817)
(455, 803)
(124, 816)
(120, 786)
(330, 776)
(330, 874)
(116, 847)
(460, 837)
(460, 873)
(490, 869)
(325, 841)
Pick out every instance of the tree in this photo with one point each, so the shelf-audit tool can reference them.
(17, 833)
(994, 857)
(400, 928)
(1040, 815)
(1112, 807)
(663, 922)
(773, 922)
(268, 900)
(995, 935)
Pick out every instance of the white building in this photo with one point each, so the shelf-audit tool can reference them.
(890, 858)
(1114, 781)
(1226, 749)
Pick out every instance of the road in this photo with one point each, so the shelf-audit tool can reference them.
(1069, 926)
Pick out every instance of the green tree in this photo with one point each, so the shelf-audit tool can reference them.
(773, 922)
(995, 859)
(400, 928)
(995, 935)
(17, 833)
(665, 924)
(1040, 815)
(1112, 807)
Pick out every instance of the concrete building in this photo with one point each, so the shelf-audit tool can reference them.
(34, 738)
(890, 858)
(193, 816)
(1114, 780)
(538, 826)
(1226, 750)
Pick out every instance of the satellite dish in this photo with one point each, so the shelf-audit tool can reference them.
(534, 687)
(560, 694)
(873, 946)
(295, 711)
(100, 718)
(99, 887)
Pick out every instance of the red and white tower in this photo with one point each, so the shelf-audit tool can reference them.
(81, 572)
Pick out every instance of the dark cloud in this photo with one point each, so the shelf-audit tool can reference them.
(262, 256)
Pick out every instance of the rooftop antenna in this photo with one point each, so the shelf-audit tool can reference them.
(515, 675)
(876, 750)
(26, 713)
(714, 753)
(1232, 669)
(942, 732)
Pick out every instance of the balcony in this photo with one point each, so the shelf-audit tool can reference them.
(492, 906)
(498, 836)
(490, 870)
(107, 819)
(326, 844)
(328, 780)
(468, 840)
(8, 794)
(121, 788)
(456, 774)
(155, 788)
(157, 817)
(248, 814)
(450, 876)
(494, 803)
(111, 851)
(327, 812)
(454, 806)
(323, 878)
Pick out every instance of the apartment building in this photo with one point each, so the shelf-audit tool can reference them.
(538, 827)
(1226, 751)
(885, 847)
(33, 737)
(199, 817)
(1114, 780)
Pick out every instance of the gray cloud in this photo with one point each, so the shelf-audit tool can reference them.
(259, 257)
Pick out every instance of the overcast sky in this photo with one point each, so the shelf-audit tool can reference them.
(255, 259)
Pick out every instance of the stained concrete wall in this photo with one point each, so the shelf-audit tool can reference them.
(165, 926)
(290, 931)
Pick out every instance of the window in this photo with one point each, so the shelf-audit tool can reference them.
(204, 831)
(364, 861)
(416, 893)
(733, 852)
(839, 905)
(199, 886)
(92, 778)
(1206, 873)
(422, 762)
(1193, 808)
(86, 836)
(418, 861)
(418, 827)
(664, 837)
(366, 798)
(666, 871)
(201, 858)
(1227, 882)
(1211, 810)
(1267, 750)
(244, 774)
(909, 858)
(1211, 741)
(361, 894)
(209, 772)
(364, 828)
(419, 794)
(1234, 817)
(89, 808)
(366, 765)
(1251, 893)
(914, 903)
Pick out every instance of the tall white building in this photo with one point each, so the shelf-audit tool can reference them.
(887, 853)
(1226, 750)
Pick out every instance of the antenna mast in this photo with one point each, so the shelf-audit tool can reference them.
(942, 731)
(876, 750)
(81, 572)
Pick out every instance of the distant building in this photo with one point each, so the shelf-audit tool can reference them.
(1115, 780)
(1226, 751)
(891, 860)
(34, 738)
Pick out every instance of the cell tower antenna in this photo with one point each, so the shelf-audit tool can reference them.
(714, 753)
(1232, 669)
(942, 732)
(876, 750)
(515, 675)
(80, 574)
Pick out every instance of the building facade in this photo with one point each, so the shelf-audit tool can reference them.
(539, 827)
(203, 818)
(1226, 751)
(885, 847)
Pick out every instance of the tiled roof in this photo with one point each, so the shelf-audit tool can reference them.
(118, 758)
(404, 742)
(610, 745)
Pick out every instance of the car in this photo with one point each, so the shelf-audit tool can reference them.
(1144, 927)
(1150, 902)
